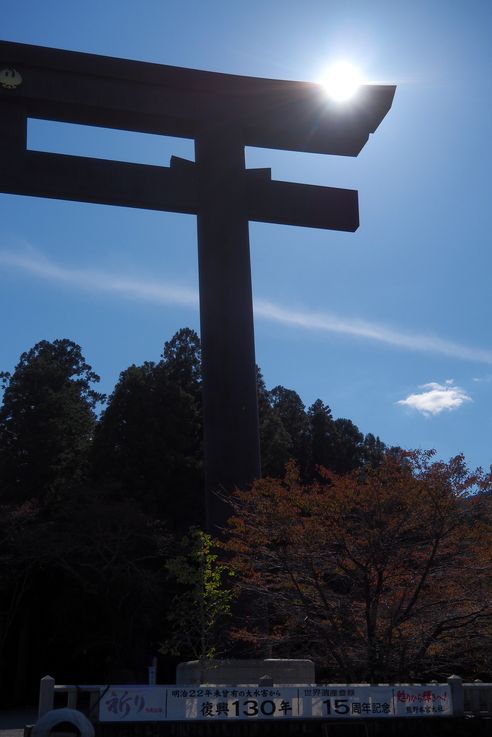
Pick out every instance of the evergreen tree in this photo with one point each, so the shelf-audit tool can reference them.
(148, 444)
(321, 431)
(46, 422)
(275, 442)
(373, 450)
(289, 408)
(346, 448)
(183, 358)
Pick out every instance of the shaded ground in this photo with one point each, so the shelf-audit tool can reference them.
(12, 722)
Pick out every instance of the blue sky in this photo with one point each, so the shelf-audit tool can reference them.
(389, 326)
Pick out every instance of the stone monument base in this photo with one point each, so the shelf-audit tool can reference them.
(272, 671)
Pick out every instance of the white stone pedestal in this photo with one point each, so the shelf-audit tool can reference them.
(246, 672)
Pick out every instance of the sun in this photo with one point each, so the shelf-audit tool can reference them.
(341, 80)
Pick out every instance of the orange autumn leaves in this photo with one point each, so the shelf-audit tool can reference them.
(376, 575)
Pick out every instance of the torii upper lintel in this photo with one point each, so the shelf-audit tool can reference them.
(153, 98)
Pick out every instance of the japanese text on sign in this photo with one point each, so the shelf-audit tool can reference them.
(173, 703)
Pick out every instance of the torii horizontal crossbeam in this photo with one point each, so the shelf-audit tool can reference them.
(169, 189)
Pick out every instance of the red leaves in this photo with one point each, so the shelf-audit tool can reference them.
(371, 573)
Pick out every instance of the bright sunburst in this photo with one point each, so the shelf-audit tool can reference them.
(341, 80)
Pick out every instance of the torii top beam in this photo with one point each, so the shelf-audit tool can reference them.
(117, 93)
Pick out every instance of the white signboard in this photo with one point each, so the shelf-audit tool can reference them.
(219, 703)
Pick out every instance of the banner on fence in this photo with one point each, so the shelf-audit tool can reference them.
(213, 703)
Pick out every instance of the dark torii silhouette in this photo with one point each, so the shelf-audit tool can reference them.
(223, 113)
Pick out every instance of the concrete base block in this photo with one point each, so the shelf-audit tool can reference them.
(281, 672)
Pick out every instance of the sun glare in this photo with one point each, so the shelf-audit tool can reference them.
(341, 81)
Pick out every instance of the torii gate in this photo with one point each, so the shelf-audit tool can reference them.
(223, 113)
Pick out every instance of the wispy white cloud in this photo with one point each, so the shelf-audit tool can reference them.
(101, 281)
(437, 398)
(128, 287)
(370, 330)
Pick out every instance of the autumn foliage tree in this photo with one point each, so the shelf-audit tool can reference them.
(384, 574)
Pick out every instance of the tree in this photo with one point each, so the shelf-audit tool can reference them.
(81, 591)
(202, 604)
(338, 444)
(148, 443)
(275, 442)
(183, 360)
(147, 446)
(102, 572)
(46, 422)
(321, 431)
(288, 407)
(346, 446)
(16, 575)
(373, 450)
(385, 577)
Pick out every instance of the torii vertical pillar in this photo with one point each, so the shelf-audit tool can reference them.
(231, 440)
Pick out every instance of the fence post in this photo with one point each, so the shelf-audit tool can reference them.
(72, 695)
(46, 695)
(455, 683)
(94, 699)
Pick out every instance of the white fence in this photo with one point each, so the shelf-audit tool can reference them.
(468, 699)
(477, 698)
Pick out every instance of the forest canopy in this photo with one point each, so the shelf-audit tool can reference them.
(374, 561)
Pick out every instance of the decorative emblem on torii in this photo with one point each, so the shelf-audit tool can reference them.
(223, 113)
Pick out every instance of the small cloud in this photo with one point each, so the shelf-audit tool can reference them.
(436, 398)
(483, 379)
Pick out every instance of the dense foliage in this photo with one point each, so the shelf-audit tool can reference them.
(385, 575)
(46, 422)
(98, 566)
(202, 606)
